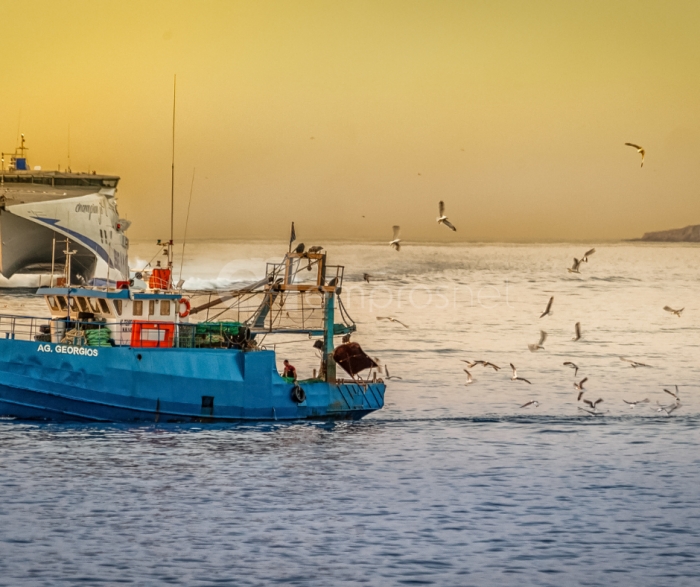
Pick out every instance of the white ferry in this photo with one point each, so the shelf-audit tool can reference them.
(40, 209)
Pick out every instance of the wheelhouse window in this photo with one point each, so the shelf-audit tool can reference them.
(151, 307)
(165, 308)
(117, 307)
(103, 306)
(62, 302)
(51, 301)
(71, 302)
(138, 308)
(82, 303)
(94, 305)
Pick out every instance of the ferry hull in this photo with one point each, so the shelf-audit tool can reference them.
(27, 247)
(122, 384)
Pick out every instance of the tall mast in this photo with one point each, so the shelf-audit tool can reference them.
(172, 193)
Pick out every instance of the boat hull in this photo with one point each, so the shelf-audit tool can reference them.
(122, 384)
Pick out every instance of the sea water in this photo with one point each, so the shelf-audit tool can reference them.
(449, 484)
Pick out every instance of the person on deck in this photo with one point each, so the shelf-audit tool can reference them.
(289, 370)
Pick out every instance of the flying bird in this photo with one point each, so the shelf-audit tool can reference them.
(593, 404)
(574, 366)
(442, 219)
(471, 364)
(396, 242)
(577, 328)
(575, 267)
(515, 377)
(669, 409)
(538, 346)
(634, 364)
(391, 319)
(366, 277)
(587, 254)
(469, 378)
(386, 372)
(676, 312)
(675, 395)
(548, 309)
(634, 404)
(532, 402)
(639, 150)
(579, 385)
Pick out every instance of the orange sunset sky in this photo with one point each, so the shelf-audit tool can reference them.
(349, 117)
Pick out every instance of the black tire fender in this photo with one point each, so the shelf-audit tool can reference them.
(298, 394)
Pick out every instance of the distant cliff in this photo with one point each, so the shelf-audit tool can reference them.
(689, 234)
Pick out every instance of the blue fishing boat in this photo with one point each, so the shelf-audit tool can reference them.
(159, 355)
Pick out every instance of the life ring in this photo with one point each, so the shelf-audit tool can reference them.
(298, 394)
(186, 312)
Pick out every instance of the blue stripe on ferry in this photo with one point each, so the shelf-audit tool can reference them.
(80, 238)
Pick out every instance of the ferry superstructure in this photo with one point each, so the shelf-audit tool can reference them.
(39, 209)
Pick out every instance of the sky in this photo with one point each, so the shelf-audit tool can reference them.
(350, 117)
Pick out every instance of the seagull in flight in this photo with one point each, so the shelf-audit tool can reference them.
(593, 404)
(396, 242)
(634, 364)
(579, 387)
(532, 402)
(675, 395)
(515, 377)
(469, 378)
(391, 319)
(575, 267)
(676, 312)
(587, 254)
(548, 309)
(639, 150)
(669, 409)
(574, 366)
(538, 346)
(386, 372)
(634, 404)
(471, 364)
(442, 219)
(366, 277)
(577, 328)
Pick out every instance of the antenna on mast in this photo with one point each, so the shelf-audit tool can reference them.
(187, 221)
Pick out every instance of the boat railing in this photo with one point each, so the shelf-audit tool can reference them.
(131, 333)
(23, 327)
